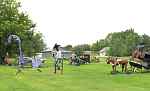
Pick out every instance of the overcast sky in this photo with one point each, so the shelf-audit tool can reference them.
(85, 21)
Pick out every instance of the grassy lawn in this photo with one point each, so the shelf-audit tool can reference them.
(92, 77)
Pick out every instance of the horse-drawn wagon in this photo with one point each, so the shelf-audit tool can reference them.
(140, 57)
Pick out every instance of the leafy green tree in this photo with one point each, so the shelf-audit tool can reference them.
(79, 49)
(68, 47)
(146, 39)
(122, 43)
(98, 45)
(14, 21)
(33, 45)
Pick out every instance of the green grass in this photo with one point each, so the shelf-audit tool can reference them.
(91, 77)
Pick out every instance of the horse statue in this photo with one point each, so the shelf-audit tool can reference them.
(116, 61)
(7, 60)
(137, 55)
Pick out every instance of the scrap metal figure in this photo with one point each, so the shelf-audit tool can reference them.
(21, 59)
(58, 63)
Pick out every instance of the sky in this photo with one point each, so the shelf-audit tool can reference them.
(85, 21)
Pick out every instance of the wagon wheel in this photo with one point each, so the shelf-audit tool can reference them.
(138, 70)
(131, 69)
(134, 69)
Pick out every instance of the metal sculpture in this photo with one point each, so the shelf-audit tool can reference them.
(58, 62)
(18, 41)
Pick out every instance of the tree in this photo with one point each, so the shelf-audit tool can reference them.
(79, 49)
(98, 45)
(146, 39)
(14, 21)
(34, 45)
(122, 43)
(68, 47)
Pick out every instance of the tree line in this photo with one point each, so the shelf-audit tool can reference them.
(119, 43)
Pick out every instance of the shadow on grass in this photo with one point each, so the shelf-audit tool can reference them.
(130, 72)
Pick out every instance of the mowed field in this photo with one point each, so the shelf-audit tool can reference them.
(90, 77)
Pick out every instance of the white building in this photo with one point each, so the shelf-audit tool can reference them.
(103, 52)
(66, 54)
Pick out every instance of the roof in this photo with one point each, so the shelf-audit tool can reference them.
(104, 49)
(140, 46)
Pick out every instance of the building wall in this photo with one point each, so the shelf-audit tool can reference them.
(67, 54)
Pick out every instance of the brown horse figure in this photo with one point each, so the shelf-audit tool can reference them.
(115, 62)
(137, 56)
(137, 59)
(7, 60)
